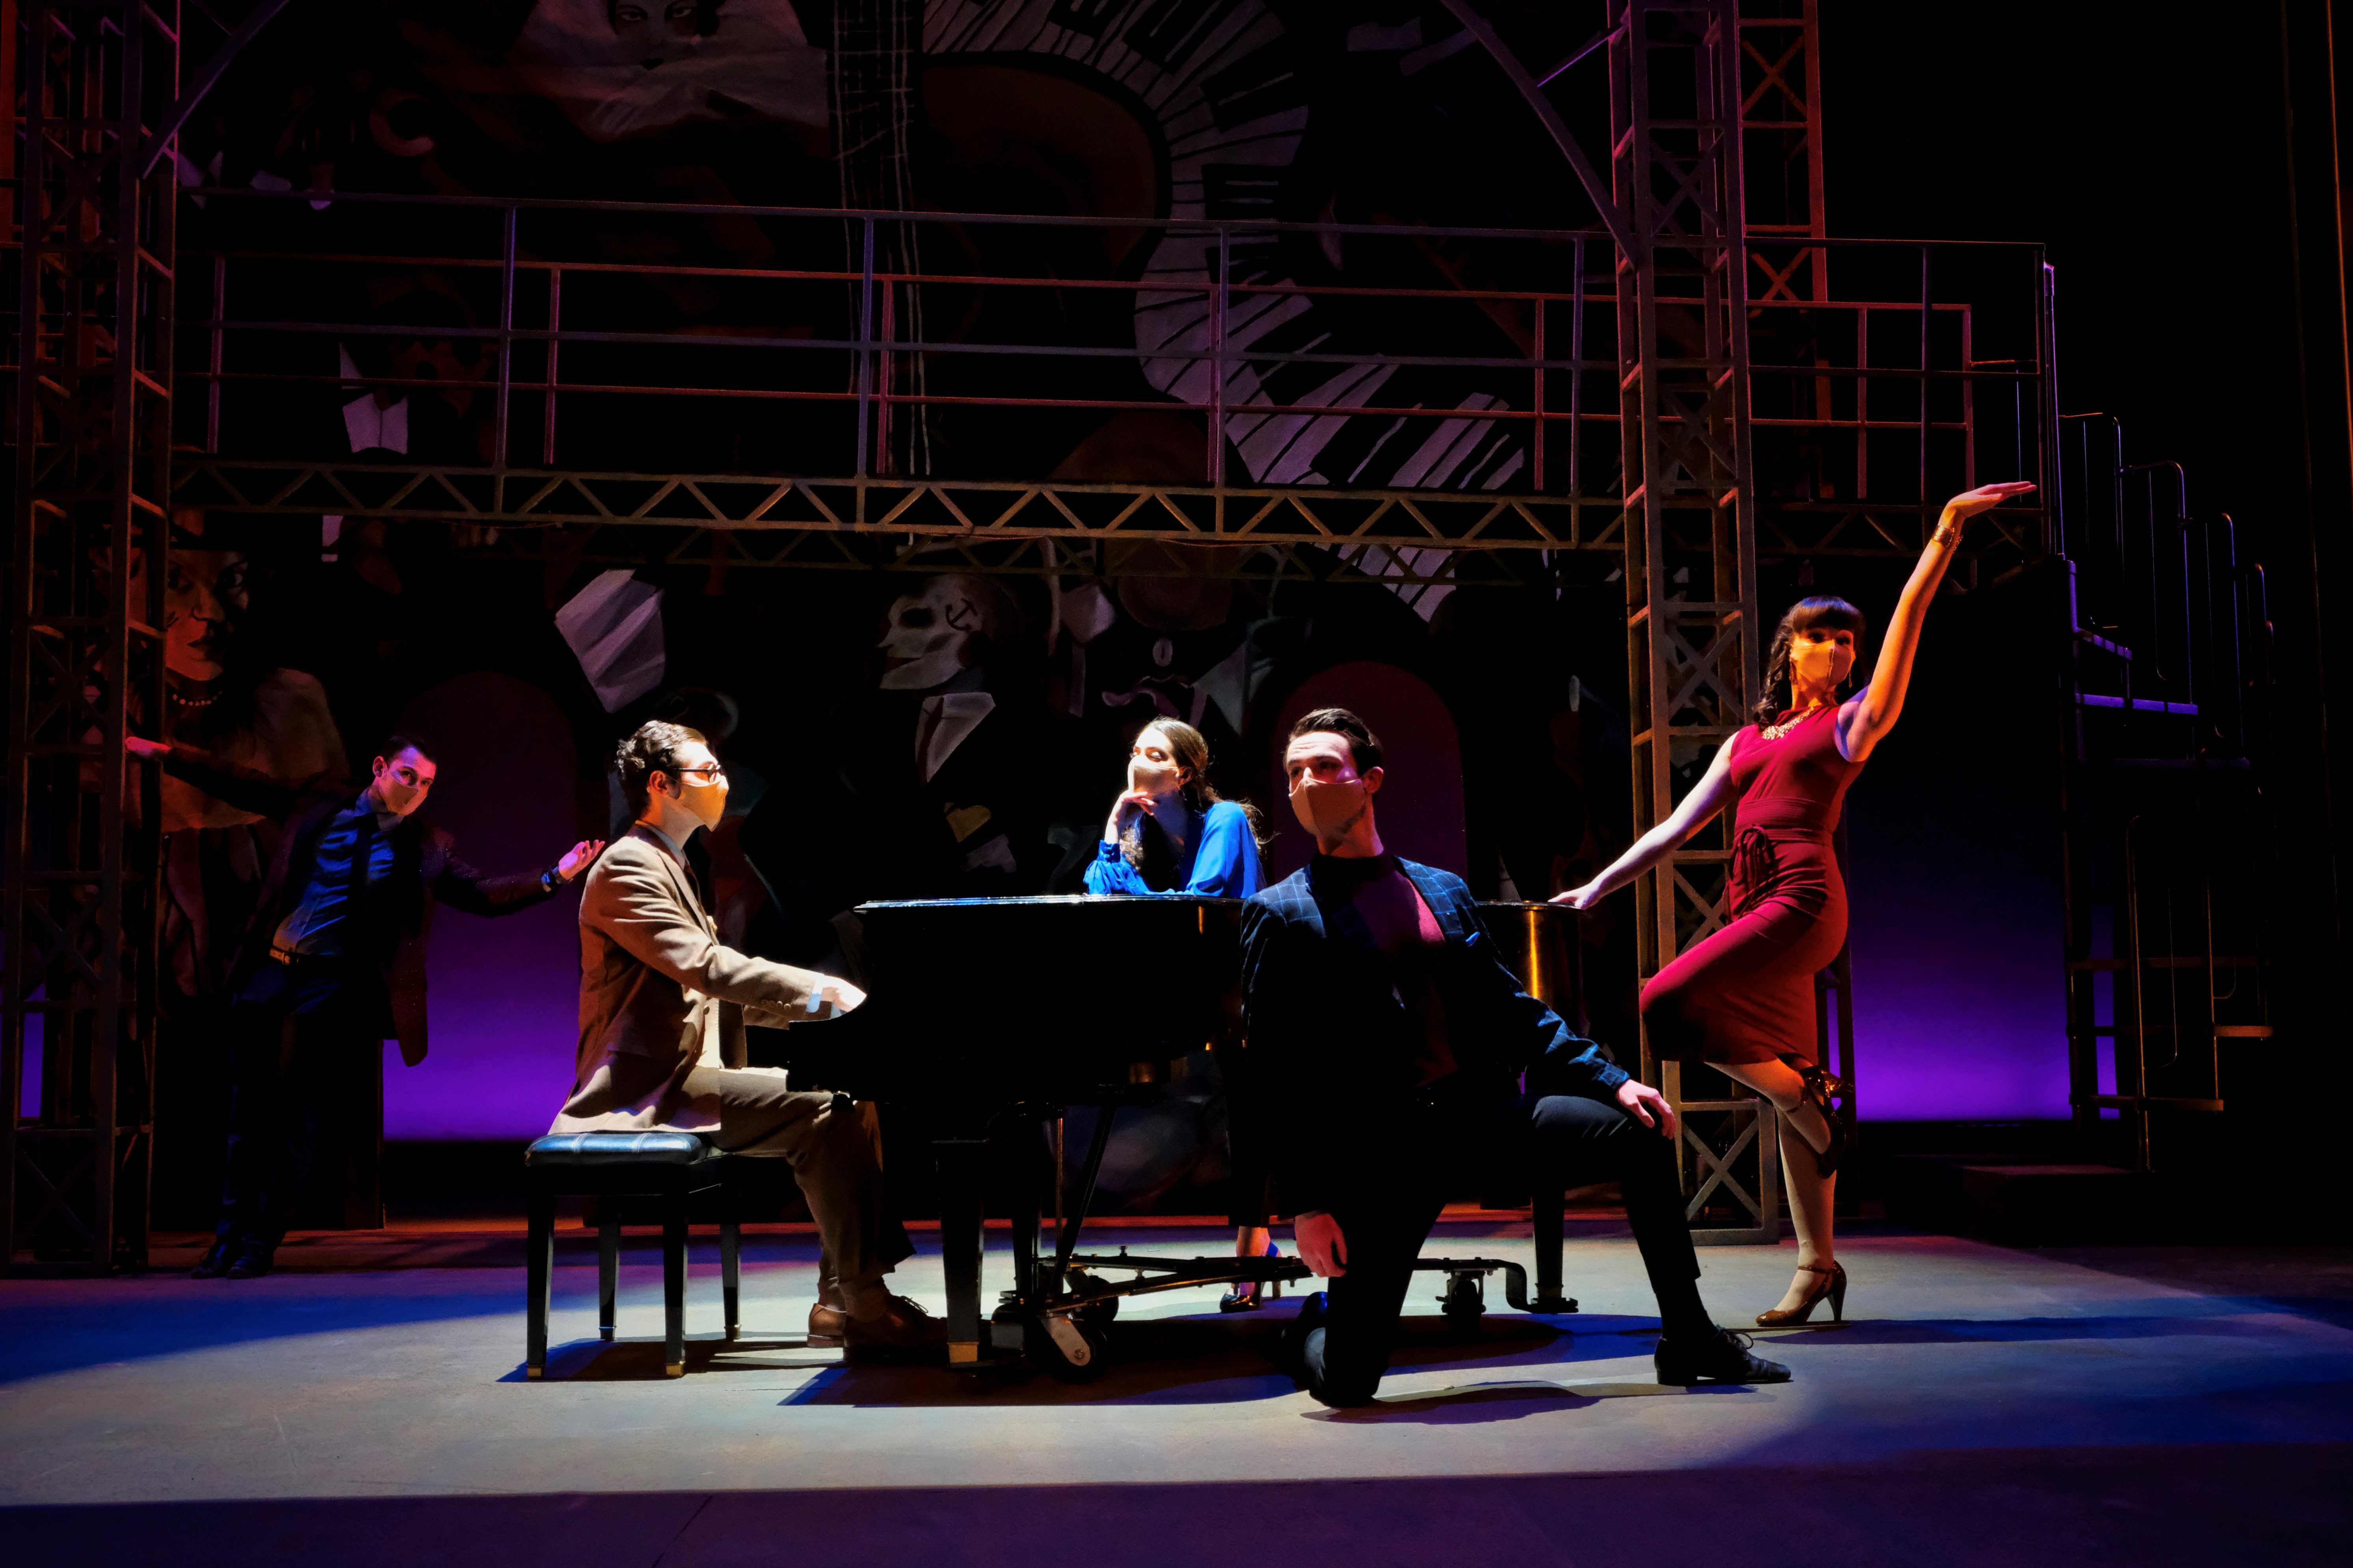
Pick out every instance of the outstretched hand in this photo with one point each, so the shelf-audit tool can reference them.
(1984, 498)
(1582, 897)
(145, 748)
(579, 857)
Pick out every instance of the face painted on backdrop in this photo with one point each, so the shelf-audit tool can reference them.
(929, 640)
(1152, 765)
(1327, 796)
(204, 591)
(654, 30)
(1820, 656)
(702, 782)
(402, 782)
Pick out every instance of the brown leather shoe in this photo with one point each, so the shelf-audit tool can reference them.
(828, 1326)
(902, 1325)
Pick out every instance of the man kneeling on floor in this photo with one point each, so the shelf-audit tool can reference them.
(1391, 1042)
(663, 1005)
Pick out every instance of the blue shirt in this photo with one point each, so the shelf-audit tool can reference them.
(1222, 862)
(316, 927)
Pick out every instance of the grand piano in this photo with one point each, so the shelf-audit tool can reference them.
(990, 1016)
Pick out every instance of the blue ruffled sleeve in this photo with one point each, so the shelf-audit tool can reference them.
(1109, 872)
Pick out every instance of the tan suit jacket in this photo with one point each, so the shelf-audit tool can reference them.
(651, 970)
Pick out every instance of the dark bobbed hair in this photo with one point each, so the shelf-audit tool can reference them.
(1364, 746)
(1819, 610)
(401, 740)
(652, 749)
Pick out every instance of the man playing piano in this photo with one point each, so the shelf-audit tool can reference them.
(663, 1007)
(1391, 1043)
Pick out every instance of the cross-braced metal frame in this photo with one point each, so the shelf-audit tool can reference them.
(1755, 419)
(1690, 528)
(90, 431)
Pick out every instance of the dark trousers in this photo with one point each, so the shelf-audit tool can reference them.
(300, 1040)
(1388, 1208)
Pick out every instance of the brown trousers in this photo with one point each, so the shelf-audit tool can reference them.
(836, 1155)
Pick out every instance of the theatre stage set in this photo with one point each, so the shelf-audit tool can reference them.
(920, 399)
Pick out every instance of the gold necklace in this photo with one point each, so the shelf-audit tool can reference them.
(1775, 732)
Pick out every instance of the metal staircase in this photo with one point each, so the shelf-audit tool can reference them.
(2167, 825)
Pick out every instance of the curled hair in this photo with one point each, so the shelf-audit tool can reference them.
(1804, 615)
(651, 749)
(1189, 749)
(1364, 746)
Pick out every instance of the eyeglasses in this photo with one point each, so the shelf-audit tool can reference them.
(706, 775)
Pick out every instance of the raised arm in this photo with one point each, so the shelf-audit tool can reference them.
(1714, 792)
(1871, 712)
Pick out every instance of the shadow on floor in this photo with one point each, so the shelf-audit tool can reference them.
(1209, 1360)
(2279, 1506)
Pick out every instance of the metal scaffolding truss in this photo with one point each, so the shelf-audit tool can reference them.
(1691, 586)
(90, 431)
(1676, 386)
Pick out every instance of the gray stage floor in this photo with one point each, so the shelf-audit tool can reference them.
(2143, 1406)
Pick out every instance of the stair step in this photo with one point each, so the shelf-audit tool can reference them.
(2137, 704)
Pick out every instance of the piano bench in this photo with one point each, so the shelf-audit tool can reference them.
(665, 1166)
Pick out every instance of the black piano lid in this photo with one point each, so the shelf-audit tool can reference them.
(1065, 983)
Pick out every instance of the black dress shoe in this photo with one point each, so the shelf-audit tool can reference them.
(1717, 1356)
(217, 1259)
(253, 1260)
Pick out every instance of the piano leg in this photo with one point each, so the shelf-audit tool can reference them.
(963, 1170)
(1021, 1168)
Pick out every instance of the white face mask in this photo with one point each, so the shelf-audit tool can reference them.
(1328, 809)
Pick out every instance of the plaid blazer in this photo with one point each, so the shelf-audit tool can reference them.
(1332, 1045)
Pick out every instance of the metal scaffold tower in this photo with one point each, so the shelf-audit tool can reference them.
(1689, 521)
(89, 430)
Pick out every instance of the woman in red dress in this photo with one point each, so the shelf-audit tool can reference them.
(1741, 1000)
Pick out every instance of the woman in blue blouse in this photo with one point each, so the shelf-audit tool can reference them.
(1170, 833)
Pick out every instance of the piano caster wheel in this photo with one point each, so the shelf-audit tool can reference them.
(1073, 1351)
(1464, 1304)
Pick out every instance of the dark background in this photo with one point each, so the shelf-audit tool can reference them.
(2152, 148)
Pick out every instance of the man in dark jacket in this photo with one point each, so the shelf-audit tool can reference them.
(1393, 1044)
(332, 965)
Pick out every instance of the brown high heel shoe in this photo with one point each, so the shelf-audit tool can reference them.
(1832, 1288)
(1820, 1087)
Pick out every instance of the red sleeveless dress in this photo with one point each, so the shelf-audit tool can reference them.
(1746, 993)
